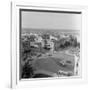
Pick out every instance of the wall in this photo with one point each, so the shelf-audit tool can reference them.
(5, 44)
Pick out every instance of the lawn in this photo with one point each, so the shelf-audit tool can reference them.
(54, 63)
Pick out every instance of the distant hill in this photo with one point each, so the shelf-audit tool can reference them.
(50, 31)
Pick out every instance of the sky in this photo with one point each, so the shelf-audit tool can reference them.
(43, 20)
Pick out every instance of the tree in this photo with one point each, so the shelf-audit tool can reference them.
(27, 71)
(46, 36)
